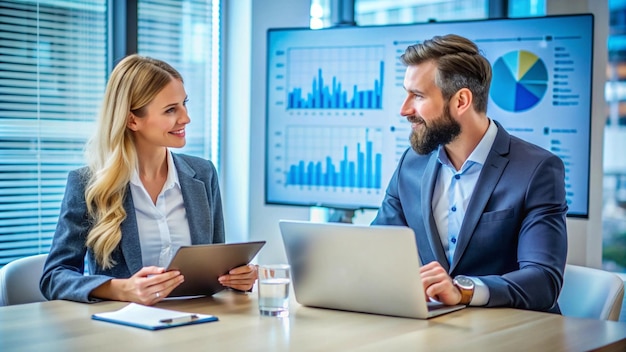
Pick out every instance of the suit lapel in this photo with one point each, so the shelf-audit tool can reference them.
(487, 181)
(131, 249)
(194, 192)
(428, 183)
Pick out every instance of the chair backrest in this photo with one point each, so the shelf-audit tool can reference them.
(591, 293)
(19, 280)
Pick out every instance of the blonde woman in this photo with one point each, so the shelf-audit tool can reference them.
(136, 201)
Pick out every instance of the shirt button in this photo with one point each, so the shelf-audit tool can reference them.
(453, 209)
(457, 176)
(453, 240)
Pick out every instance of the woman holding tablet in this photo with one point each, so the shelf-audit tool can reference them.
(136, 202)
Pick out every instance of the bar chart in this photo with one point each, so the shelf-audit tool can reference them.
(343, 157)
(335, 78)
(333, 101)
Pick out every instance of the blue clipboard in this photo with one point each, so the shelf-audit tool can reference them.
(152, 318)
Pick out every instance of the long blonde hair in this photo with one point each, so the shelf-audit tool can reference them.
(111, 154)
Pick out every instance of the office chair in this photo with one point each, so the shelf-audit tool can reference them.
(19, 280)
(591, 293)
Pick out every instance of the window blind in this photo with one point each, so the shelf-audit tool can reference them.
(53, 71)
(186, 35)
(52, 77)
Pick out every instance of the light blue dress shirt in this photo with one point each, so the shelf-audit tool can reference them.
(163, 226)
(452, 193)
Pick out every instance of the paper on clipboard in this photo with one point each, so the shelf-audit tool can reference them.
(152, 318)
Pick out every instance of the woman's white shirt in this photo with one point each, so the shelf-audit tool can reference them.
(163, 226)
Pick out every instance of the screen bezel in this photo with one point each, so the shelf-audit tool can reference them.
(351, 206)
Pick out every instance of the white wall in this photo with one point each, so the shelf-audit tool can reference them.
(235, 127)
(585, 236)
(247, 216)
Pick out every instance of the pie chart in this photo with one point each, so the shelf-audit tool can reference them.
(520, 80)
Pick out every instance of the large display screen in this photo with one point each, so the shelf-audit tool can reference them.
(334, 131)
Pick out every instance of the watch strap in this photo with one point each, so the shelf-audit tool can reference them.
(467, 293)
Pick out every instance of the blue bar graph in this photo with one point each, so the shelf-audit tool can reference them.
(360, 167)
(335, 78)
(335, 96)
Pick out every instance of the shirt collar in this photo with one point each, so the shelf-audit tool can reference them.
(479, 154)
(172, 174)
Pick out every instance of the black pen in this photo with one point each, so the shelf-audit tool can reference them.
(178, 320)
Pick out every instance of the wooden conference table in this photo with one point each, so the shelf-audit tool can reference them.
(67, 326)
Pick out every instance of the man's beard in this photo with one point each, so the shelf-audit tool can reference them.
(440, 131)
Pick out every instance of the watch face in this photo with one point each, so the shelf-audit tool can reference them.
(464, 282)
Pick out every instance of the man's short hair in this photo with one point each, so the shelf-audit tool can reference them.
(460, 64)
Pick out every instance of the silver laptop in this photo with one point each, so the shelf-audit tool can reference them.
(369, 269)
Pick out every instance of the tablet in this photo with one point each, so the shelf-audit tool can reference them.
(203, 264)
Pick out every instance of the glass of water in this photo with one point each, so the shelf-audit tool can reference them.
(274, 280)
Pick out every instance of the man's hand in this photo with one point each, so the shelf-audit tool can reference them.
(438, 284)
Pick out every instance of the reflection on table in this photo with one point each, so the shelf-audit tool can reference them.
(67, 326)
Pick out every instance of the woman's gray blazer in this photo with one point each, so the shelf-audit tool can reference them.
(63, 276)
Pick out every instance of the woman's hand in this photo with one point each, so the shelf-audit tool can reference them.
(148, 286)
(241, 278)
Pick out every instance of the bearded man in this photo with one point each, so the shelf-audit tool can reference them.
(488, 209)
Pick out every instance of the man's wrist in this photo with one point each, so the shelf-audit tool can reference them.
(466, 287)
